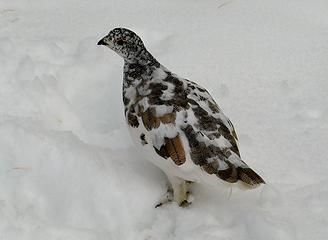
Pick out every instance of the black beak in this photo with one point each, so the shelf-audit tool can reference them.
(102, 42)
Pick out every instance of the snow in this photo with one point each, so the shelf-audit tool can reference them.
(68, 169)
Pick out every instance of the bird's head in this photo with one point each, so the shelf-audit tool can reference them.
(124, 42)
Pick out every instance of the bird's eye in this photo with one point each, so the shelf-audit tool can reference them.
(120, 42)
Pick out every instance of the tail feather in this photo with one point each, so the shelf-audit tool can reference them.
(249, 177)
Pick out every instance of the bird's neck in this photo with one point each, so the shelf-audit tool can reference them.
(143, 57)
(137, 76)
(139, 69)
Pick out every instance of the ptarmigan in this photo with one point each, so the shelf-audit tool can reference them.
(178, 124)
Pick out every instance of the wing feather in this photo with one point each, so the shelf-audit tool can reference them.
(211, 136)
(208, 139)
(175, 150)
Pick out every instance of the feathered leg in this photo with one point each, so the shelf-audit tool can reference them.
(180, 190)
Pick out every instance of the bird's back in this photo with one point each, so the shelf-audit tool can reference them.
(185, 126)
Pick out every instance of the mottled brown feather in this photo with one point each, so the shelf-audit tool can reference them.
(248, 176)
(172, 148)
(168, 118)
(212, 167)
(214, 107)
(230, 174)
(132, 120)
(162, 152)
(175, 149)
(149, 119)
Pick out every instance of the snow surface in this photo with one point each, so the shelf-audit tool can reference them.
(68, 169)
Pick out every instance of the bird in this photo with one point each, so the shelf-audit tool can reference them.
(177, 124)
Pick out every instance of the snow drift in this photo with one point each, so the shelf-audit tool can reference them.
(68, 169)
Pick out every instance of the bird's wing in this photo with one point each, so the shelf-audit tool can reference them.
(184, 120)
(213, 140)
(166, 139)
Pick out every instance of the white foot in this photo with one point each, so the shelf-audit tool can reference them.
(181, 191)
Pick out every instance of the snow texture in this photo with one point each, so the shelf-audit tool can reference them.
(68, 169)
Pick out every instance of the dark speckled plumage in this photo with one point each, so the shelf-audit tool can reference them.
(180, 118)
